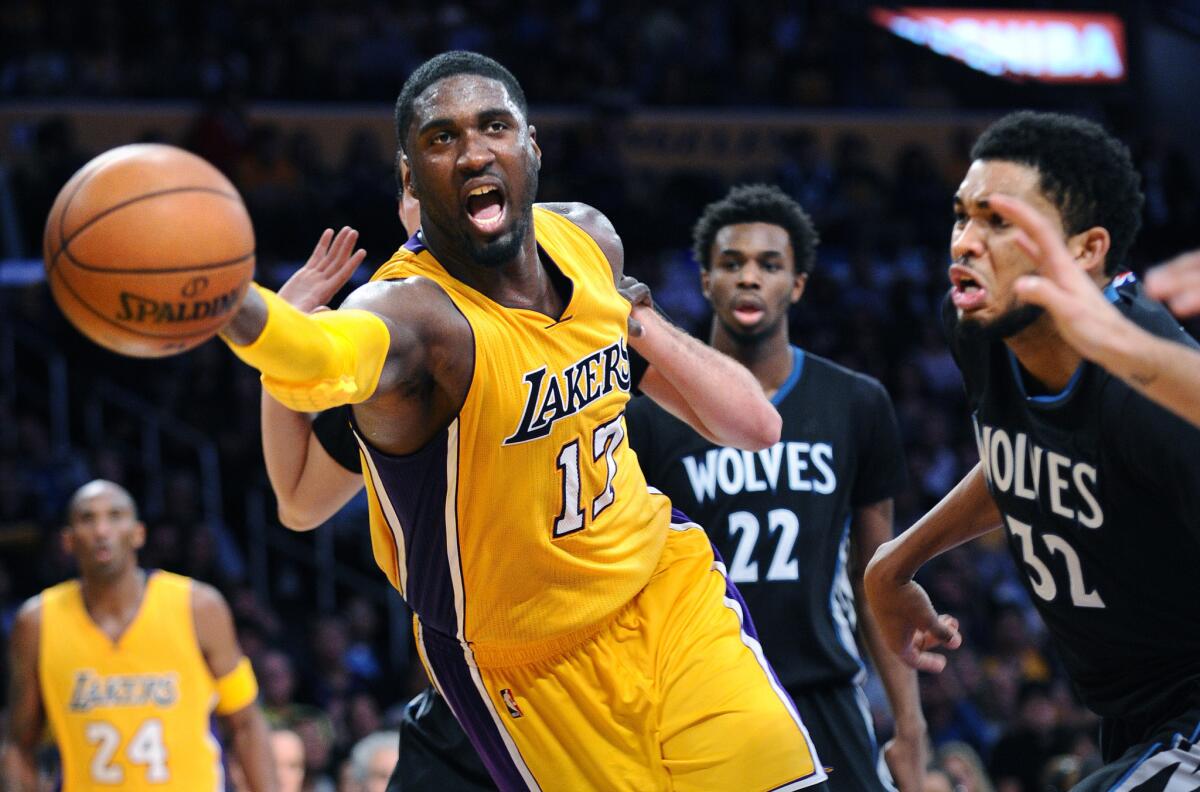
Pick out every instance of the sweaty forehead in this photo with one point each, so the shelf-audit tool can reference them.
(100, 498)
(461, 94)
(753, 238)
(985, 177)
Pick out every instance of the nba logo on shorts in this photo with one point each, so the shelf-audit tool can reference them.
(513, 710)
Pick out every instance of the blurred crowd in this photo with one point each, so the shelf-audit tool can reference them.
(1001, 717)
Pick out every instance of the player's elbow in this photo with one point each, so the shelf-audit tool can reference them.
(295, 519)
(762, 428)
(748, 429)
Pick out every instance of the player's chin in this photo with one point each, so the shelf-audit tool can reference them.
(496, 250)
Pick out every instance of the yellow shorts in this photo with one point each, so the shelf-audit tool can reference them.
(673, 694)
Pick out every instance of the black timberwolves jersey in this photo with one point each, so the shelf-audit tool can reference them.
(1100, 494)
(780, 517)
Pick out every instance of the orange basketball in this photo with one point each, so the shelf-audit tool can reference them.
(149, 250)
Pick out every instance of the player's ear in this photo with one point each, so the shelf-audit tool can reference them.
(66, 540)
(706, 282)
(537, 150)
(406, 180)
(138, 539)
(799, 282)
(1090, 249)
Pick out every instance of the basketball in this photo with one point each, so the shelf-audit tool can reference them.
(148, 250)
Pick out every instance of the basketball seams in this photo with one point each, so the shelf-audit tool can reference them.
(65, 241)
(62, 219)
(125, 328)
(156, 270)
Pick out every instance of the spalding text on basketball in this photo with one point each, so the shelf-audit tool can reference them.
(144, 310)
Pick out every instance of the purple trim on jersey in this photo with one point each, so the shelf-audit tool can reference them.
(731, 592)
(415, 243)
(449, 664)
(416, 486)
(679, 517)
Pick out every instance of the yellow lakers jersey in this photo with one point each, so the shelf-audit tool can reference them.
(131, 714)
(527, 521)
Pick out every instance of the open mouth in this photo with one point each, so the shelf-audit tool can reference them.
(485, 206)
(967, 293)
(748, 311)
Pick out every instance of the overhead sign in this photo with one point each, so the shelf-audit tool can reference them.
(1050, 46)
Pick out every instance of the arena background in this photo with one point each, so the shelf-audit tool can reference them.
(647, 113)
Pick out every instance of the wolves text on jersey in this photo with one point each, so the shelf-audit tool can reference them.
(808, 467)
(92, 690)
(1019, 467)
(566, 393)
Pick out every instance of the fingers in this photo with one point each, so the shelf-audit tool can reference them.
(1041, 291)
(1039, 238)
(321, 248)
(343, 243)
(1177, 283)
(930, 662)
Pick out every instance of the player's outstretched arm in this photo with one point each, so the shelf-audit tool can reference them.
(309, 485)
(711, 392)
(1159, 369)
(237, 689)
(907, 753)
(908, 624)
(26, 718)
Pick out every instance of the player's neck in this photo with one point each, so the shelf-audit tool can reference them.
(522, 282)
(117, 598)
(769, 359)
(1044, 354)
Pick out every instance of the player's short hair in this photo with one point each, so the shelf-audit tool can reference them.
(365, 749)
(95, 487)
(757, 203)
(448, 64)
(1084, 171)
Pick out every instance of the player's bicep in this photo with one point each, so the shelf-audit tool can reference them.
(214, 630)
(420, 318)
(26, 716)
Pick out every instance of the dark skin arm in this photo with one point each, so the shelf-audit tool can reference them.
(905, 753)
(427, 370)
(908, 624)
(26, 717)
(247, 727)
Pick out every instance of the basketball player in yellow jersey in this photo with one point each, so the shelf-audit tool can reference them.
(583, 637)
(127, 665)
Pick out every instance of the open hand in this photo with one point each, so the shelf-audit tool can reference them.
(908, 623)
(331, 264)
(1081, 313)
(1177, 283)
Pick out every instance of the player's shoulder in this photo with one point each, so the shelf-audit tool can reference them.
(830, 375)
(415, 301)
(1148, 314)
(29, 615)
(596, 225)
